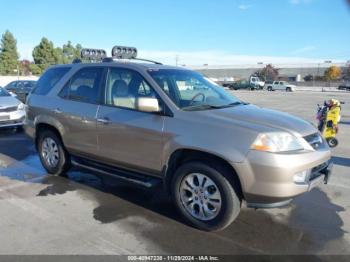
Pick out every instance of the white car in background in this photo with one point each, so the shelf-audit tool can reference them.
(12, 110)
(280, 85)
(256, 82)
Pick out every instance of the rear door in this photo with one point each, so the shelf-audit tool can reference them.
(77, 108)
(127, 137)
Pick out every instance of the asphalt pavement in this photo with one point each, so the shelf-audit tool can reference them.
(88, 214)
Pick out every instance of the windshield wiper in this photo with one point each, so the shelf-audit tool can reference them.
(198, 107)
(231, 104)
(206, 106)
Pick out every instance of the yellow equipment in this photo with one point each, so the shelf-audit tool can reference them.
(330, 119)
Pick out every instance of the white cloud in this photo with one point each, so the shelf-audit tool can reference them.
(244, 7)
(303, 50)
(214, 57)
(210, 57)
(297, 2)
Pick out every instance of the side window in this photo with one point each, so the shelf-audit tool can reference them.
(124, 87)
(84, 86)
(28, 84)
(281, 83)
(20, 85)
(12, 85)
(49, 79)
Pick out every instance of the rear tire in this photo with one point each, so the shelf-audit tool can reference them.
(53, 156)
(210, 203)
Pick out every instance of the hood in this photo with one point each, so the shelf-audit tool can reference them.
(8, 101)
(266, 117)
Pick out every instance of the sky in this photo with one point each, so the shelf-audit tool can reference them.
(197, 32)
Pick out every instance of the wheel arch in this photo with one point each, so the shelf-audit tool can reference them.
(184, 155)
(39, 127)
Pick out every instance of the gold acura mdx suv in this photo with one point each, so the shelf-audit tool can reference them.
(147, 123)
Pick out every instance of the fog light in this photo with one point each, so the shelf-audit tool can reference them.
(301, 177)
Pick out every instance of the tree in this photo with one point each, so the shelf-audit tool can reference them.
(8, 54)
(45, 54)
(70, 52)
(35, 69)
(268, 73)
(332, 73)
(24, 68)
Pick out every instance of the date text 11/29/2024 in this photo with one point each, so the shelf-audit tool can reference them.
(173, 258)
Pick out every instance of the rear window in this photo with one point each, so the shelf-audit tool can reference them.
(49, 79)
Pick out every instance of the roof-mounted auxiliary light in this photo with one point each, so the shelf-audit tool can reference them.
(93, 54)
(124, 52)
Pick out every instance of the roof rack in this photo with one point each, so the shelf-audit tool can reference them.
(93, 54)
(112, 59)
(118, 52)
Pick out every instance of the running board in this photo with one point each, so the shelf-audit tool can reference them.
(126, 176)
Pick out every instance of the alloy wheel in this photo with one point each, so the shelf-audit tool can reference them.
(200, 196)
(50, 152)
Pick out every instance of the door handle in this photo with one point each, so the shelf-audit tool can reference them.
(57, 111)
(104, 120)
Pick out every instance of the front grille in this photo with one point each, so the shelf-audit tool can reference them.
(315, 140)
(318, 170)
(10, 122)
(8, 109)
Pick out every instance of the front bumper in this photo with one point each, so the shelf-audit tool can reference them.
(268, 180)
(12, 119)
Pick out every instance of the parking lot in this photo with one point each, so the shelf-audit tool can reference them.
(86, 214)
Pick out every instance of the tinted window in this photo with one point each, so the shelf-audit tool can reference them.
(124, 87)
(12, 85)
(84, 86)
(49, 79)
(29, 84)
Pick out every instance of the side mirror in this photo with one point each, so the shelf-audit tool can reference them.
(148, 104)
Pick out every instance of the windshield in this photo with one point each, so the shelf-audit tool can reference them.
(191, 91)
(3, 92)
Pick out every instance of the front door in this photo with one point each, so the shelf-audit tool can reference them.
(127, 137)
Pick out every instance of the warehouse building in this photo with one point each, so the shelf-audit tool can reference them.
(290, 72)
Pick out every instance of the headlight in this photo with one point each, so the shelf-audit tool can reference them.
(20, 106)
(277, 142)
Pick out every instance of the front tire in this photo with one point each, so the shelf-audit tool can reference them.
(288, 89)
(269, 88)
(332, 142)
(53, 156)
(205, 197)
